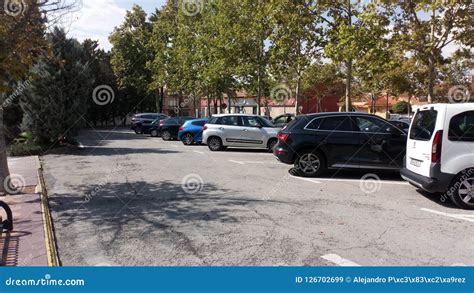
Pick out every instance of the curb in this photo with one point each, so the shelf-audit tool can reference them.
(50, 238)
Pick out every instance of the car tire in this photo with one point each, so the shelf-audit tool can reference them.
(138, 131)
(215, 144)
(461, 191)
(188, 139)
(154, 133)
(271, 144)
(166, 135)
(310, 164)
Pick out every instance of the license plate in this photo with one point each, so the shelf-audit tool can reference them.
(416, 163)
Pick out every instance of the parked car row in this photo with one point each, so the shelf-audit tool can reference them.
(434, 152)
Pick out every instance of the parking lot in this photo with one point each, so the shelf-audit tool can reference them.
(126, 199)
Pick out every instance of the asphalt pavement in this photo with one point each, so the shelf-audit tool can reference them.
(127, 199)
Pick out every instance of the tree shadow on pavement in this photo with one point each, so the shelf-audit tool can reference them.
(102, 151)
(146, 208)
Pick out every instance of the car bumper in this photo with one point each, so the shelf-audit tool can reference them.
(283, 155)
(439, 184)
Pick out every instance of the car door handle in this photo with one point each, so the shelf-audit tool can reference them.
(221, 128)
(245, 130)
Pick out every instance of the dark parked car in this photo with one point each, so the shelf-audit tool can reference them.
(317, 142)
(142, 122)
(402, 124)
(283, 120)
(169, 128)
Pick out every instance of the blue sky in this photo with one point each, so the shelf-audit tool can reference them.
(96, 19)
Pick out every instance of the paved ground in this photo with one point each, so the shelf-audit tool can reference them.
(25, 245)
(121, 201)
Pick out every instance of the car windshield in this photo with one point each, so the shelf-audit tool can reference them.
(423, 125)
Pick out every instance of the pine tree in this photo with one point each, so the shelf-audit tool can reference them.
(56, 101)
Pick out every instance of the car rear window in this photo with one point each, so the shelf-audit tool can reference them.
(199, 123)
(461, 127)
(423, 125)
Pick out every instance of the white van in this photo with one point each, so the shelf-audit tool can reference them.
(440, 151)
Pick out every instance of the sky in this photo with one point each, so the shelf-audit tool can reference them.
(96, 19)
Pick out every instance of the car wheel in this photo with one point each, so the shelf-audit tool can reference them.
(188, 139)
(138, 131)
(461, 190)
(166, 135)
(271, 144)
(154, 133)
(215, 144)
(310, 164)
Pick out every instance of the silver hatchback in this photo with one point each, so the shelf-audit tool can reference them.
(239, 130)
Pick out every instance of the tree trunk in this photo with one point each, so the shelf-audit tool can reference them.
(162, 98)
(208, 104)
(431, 78)
(259, 92)
(297, 96)
(431, 69)
(349, 85)
(4, 171)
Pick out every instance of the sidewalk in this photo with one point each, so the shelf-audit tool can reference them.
(25, 245)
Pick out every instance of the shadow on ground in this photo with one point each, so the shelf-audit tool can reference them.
(147, 207)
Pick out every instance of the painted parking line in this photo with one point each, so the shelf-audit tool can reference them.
(253, 162)
(321, 180)
(334, 258)
(198, 152)
(465, 217)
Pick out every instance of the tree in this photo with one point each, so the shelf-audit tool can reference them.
(295, 41)
(426, 37)
(401, 107)
(321, 80)
(21, 40)
(129, 57)
(340, 25)
(56, 102)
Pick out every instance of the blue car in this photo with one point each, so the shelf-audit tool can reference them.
(191, 131)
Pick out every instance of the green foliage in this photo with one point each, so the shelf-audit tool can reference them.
(56, 101)
(25, 149)
(401, 107)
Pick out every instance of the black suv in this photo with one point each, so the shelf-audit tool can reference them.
(142, 122)
(169, 128)
(317, 142)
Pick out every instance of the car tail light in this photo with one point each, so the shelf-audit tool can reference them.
(436, 148)
(162, 123)
(283, 137)
(181, 128)
(204, 128)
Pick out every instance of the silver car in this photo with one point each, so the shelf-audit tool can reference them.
(239, 130)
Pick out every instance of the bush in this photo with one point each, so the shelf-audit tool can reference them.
(401, 107)
(25, 149)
